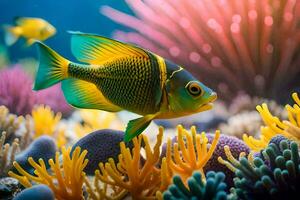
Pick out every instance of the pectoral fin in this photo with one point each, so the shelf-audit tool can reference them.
(137, 126)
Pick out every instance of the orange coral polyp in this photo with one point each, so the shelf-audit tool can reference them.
(189, 153)
(66, 179)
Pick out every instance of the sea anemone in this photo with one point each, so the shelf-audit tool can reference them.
(273, 125)
(274, 176)
(226, 44)
(101, 145)
(16, 91)
(7, 154)
(213, 188)
(142, 179)
(236, 146)
(189, 153)
(65, 179)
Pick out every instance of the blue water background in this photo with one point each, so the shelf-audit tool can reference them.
(76, 15)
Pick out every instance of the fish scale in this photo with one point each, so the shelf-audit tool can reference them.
(131, 83)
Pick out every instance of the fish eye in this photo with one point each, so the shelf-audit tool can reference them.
(194, 89)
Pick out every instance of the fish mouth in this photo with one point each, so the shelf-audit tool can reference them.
(209, 104)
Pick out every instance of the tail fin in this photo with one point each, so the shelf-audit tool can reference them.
(53, 68)
(11, 35)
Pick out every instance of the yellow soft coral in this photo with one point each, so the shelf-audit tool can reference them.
(273, 125)
(66, 178)
(141, 178)
(189, 153)
(95, 120)
(45, 122)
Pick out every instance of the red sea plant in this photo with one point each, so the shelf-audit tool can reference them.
(232, 45)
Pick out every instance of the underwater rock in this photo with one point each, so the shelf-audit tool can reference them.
(37, 192)
(8, 187)
(43, 147)
(236, 147)
(101, 145)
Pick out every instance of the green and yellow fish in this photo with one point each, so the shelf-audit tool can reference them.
(119, 76)
(31, 29)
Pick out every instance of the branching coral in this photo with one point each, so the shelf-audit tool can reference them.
(15, 127)
(275, 176)
(213, 188)
(289, 128)
(66, 178)
(190, 153)
(228, 44)
(7, 154)
(141, 179)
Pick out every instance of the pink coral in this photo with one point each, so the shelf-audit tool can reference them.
(15, 91)
(232, 45)
(17, 95)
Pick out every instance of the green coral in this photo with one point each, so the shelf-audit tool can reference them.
(274, 175)
(213, 188)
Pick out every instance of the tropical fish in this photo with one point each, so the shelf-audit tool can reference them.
(29, 28)
(118, 76)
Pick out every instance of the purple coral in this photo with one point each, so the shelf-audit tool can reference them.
(54, 98)
(15, 91)
(227, 44)
(101, 145)
(17, 95)
(236, 147)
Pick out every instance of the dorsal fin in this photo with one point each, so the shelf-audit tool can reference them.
(83, 94)
(97, 50)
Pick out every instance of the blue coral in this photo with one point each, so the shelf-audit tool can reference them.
(101, 145)
(43, 147)
(236, 146)
(37, 192)
(213, 188)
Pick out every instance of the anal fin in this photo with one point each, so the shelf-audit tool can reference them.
(83, 94)
(137, 126)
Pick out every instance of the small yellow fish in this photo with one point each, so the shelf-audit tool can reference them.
(122, 76)
(29, 28)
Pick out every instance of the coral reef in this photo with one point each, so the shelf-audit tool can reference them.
(189, 153)
(289, 128)
(130, 175)
(37, 192)
(213, 188)
(9, 187)
(7, 154)
(108, 146)
(41, 148)
(66, 177)
(236, 146)
(227, 44)
(275, 176)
